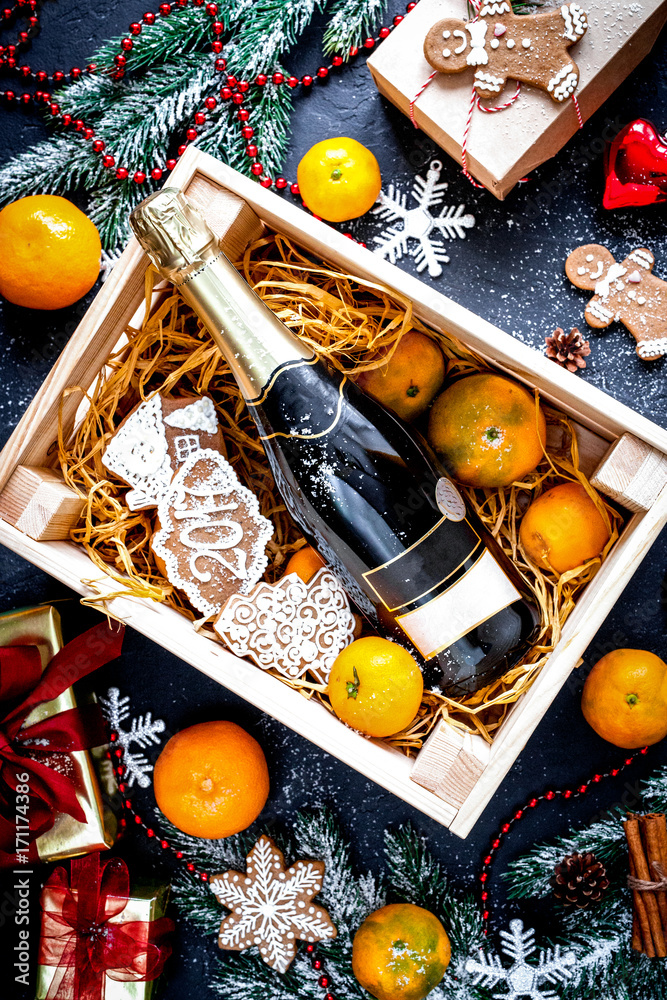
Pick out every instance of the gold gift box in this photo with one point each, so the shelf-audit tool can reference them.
(67, 838)
(144, 903)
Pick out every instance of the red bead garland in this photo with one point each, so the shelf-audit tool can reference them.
(118, 769)
(548, 796)
(234, 91)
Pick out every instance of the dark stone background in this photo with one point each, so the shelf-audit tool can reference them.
(509, 270)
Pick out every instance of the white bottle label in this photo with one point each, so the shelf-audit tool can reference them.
(475, 597)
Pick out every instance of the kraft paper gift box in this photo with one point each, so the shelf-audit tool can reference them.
(503, 147)
(40, 626)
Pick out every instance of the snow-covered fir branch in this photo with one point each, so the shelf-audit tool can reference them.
(348, 897)
(267, 31)
(353, 21)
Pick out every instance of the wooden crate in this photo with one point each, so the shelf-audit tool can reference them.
(458, 776)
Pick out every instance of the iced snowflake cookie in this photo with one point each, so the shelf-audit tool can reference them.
(628, 292)
(500, 45)
(291, 625)
(272, 906)
(210, 538)
(155, 439)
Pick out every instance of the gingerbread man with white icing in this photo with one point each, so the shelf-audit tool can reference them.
(628, 292)
(500, 45)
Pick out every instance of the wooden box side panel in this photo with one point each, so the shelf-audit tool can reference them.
(592, 608)
(78, 365)
(165, 626)
(588, 405)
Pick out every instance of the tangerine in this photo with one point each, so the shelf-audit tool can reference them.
(409, 381)
(211, 780)
(375, 686)
(563, 528)
(339, 179)
(487, 430)
(305, 563)
(49, 252)
(625, 698)
(400, 952)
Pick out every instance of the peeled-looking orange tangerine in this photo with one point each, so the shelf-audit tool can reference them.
(488, 430)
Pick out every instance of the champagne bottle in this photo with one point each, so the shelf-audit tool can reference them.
(364, 488)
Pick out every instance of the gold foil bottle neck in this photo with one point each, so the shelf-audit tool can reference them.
(174, 235)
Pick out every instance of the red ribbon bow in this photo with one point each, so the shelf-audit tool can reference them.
(30, 749)
(81, 935)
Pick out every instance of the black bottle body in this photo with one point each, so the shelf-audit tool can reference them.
(362, 487)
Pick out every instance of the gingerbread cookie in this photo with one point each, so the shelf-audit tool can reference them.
(500, 45)
(291, 625)
(628, 292)
(211, 536)
(155, 439)
(272, 906)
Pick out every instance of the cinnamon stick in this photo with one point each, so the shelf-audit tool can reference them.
(645, 902)
(653, 831)
(637, 943)
(645, 940)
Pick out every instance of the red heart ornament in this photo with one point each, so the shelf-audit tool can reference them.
(636, 167)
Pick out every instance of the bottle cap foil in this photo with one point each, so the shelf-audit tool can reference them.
(173, 234)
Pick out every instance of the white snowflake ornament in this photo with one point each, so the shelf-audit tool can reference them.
(521, 979)
(419, 224)
(143, 731)
(272, 906)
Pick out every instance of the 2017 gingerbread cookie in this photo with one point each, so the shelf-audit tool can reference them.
(500, 45)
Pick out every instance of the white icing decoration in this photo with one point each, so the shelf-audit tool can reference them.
(464, 42)
(632, 295)
(494, 8)
(197, 416)
(652, 348)
(499, 30)
(641, 300)
(273, 909)
(644, 258)
(510, 43)
(494, 43)
(488, 83)
(185, 445)
(137, 453)
(635, 277)
(599, 271)
(599, 312)
(582, 270)
(193, 503)
(446, 53)
(603, 287)
(291, 626)
(446, 34)
(589, 257)
(478, 55)
(575, 21)
(526, 43)
(564, 83)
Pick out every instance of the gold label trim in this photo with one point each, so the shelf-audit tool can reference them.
(369, 573)
(296, 363)
(311, 437)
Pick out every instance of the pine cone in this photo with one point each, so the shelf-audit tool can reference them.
(568, 349)
(579, 880)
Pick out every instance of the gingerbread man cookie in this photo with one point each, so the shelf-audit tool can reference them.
(155, 439)
(628, 292)
(211, 535)
(499, 45)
